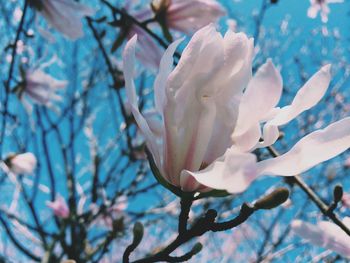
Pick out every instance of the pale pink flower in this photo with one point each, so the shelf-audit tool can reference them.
(64, 15)
(188, 16)
(325, 234)
(321, 6)
(149, 51)
(211, 111)
(181, 15)
(41, 88)
(59, 207)
(24, 163)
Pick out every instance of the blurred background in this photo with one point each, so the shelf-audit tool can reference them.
(90, 153)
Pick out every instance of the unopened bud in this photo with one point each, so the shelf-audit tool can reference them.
(138, 233)
(338, 193)
(272, 200)
(196, 249)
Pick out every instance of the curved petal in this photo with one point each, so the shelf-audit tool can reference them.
(128, 68)
(190, 104)
(261, 96)
(325, 234)
(307, 97)
(315, 148)
(238, 52)
(165, 68)
(233, 172)
(189, 16)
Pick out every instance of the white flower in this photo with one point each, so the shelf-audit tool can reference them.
(64, 15)
(322, 7)
(181, 15)
(188, 16)
(211, 112)
(325, 234)
(24, 163)
(41, 88)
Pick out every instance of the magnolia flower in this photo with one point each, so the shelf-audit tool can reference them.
(59, 207)
(41, 88)
(188, 16)
(149, 52)
(64, 15)
(24, 163)
(322, 7)
(181, 15)
(211, 111)
(325, 234)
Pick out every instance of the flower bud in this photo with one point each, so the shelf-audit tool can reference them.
(24, 163)
(338, 193)
(138, 233)
(272, 200)
(196, 249)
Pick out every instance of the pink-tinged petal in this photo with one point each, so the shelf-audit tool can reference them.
(65, 16)
(308, 231)
(189, 16)
(307, 97)
(270, 136)
(148, 51)
(24, 163)
(315, 148)
(128, 67)
(313, 10)
(59, 207)
(233, 172)
(165, 68)
(261, 96)
(325, 234)
(238, 52)
(190, 92)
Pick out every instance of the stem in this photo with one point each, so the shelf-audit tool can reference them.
(314, 197)
(8, 82)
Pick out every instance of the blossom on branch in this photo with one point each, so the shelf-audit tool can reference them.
(24, 163)
(64, 15)
(322, 7)
(40, 87)
(188, 16)
(59, 207)
(211, 111)
(325, 234)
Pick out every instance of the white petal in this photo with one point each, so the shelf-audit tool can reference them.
(128, 67)
(307, 97)
(261, 96)
(315, 148)
(308, 231)
(234, 78)
(325, 234)
(270, 135)
(233, 172)
(165, 68)
(313, 10)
